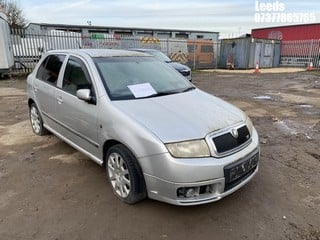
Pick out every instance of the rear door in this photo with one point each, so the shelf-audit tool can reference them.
(77, 118)
(45, 85)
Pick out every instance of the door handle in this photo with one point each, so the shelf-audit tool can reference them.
(35, 88)
(59, 99)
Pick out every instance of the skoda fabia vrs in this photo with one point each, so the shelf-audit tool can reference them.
(157, 135)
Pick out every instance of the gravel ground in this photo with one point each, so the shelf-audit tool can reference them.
(51, 191)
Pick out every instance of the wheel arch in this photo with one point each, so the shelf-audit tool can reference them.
(112, 142)
(30, 101)
(106, 146)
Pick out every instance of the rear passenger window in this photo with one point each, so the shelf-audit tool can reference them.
(75, 77)
(50, 68)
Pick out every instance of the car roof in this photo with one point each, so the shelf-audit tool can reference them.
(102, 52)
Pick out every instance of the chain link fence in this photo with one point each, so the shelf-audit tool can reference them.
(29, 47)
(197, 54)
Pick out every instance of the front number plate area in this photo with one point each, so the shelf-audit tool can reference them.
(237, 170)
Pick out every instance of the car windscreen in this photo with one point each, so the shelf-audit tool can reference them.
(139, 77)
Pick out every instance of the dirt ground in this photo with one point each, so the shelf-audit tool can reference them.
(48, 190)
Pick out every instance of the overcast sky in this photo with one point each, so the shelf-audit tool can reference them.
(225, 16)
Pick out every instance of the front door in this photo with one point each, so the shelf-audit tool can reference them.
(78, 119)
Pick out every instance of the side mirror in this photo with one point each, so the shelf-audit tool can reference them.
(84, 94)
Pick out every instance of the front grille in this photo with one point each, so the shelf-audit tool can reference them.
(227, 142)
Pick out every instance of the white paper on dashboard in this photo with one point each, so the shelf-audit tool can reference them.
(142, 90)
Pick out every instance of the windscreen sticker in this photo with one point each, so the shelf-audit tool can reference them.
(142, 90)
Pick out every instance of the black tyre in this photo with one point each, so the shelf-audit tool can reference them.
(36, 121)
(125, 175)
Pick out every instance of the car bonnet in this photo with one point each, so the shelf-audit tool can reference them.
(182, 116)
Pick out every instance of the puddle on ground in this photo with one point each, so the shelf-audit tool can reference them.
(263, 97)
(305, 106)
(300, 100)
(309, 109)
(290, 127)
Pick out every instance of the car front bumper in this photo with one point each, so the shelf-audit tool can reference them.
(169, 175)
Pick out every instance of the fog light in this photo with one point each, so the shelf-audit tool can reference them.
(188, 192)
(192, 192)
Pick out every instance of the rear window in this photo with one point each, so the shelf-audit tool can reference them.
(50, 68)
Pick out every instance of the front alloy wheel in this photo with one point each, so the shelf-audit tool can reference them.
(125, 175)
(119, 175)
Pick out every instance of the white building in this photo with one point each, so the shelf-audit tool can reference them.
(44, 28)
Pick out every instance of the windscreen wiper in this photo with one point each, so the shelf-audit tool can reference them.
(164, 93)
(188, 89)
(158, 94)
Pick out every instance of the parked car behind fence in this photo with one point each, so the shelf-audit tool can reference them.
(183, 69)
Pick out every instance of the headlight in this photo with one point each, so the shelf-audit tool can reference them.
(189, 149)
(249, 125)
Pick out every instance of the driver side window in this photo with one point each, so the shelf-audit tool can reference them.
(75, 77)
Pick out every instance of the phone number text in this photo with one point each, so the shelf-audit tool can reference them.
(275, 17)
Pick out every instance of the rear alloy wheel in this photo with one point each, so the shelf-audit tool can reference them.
(36, 120)
(125, 175)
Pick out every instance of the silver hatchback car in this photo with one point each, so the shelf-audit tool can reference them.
(157, 134)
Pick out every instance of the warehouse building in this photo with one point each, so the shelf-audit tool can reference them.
(44, 28)
(288, 33)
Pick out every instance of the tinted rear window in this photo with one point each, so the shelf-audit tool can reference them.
(50, 68)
